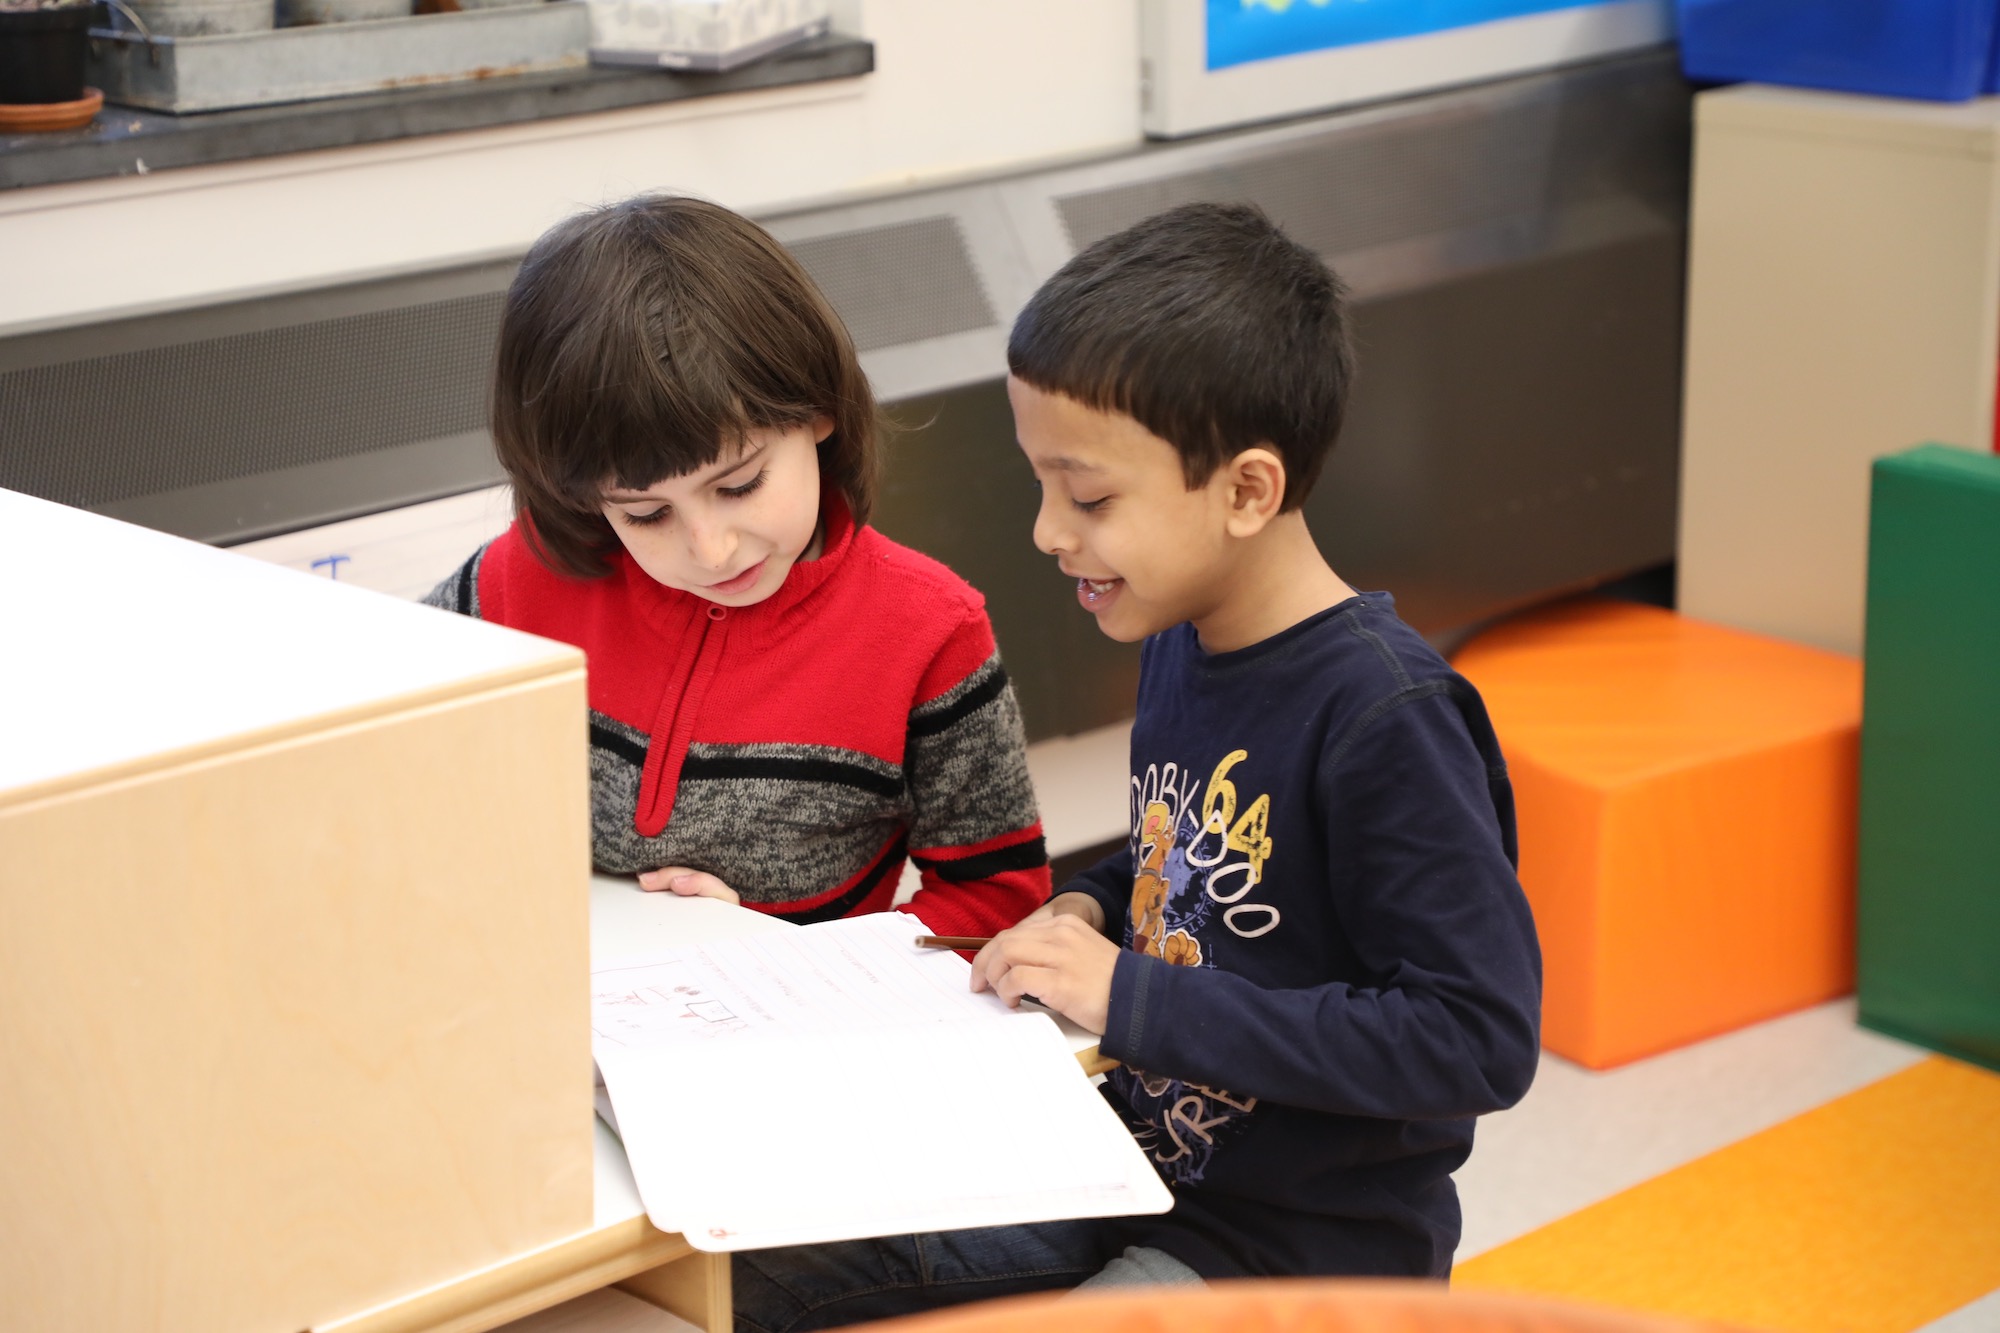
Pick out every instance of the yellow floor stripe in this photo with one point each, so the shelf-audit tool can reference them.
(1875, 1213)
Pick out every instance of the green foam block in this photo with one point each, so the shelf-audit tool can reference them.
(1929, 924)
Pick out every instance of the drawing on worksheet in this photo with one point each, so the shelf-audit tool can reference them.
(636, 1014)
(867, 973)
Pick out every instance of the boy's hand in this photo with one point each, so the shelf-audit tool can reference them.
(687, 883)
(1056, 957)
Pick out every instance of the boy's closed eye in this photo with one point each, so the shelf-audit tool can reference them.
(1077, 502)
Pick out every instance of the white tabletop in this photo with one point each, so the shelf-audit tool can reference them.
(121, 643)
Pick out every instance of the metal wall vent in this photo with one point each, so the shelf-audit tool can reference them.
(1481, 160)
(95, 431)
(902, 283)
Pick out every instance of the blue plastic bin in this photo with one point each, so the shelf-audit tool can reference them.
(1940, 50)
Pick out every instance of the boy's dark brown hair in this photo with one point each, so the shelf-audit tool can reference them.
(639, 342)
(1208, 326)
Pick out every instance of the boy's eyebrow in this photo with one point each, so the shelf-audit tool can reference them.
(1064, 463)
(716, 473)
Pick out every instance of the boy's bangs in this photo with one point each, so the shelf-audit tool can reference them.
(1208, 326)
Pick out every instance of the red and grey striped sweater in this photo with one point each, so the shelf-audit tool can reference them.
(800, 748)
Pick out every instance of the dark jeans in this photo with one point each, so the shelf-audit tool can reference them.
(806, 1287)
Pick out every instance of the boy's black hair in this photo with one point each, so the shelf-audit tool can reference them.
(1208, 326)
(643, 339)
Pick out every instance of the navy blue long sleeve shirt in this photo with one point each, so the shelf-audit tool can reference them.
(1330, 966)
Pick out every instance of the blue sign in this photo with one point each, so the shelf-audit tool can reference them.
(1240, 31)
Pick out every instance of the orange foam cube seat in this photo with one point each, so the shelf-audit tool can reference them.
(1686, 796)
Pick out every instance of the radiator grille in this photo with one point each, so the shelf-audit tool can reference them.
(103, 429)
(901, 283)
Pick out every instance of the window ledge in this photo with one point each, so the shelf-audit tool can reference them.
(127, 142)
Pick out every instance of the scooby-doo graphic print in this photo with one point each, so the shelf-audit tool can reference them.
(1199, 853)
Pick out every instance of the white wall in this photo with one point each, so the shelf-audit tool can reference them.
(961, 86)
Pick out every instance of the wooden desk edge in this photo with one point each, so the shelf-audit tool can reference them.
(1095, 1063)
(536, 1281)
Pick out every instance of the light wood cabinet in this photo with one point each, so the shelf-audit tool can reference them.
(1843, 301)
(293, 938)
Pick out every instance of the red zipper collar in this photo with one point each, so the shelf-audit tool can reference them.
(702, 629)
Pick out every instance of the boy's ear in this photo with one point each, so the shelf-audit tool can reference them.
(822, 427)
(1255, 490)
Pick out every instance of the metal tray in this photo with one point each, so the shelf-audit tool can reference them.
(328, 60)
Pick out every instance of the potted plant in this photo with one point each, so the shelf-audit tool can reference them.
(42, 49)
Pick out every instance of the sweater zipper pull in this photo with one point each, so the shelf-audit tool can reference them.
(658, 788)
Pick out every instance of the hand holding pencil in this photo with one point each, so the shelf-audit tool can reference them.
(1056, 956)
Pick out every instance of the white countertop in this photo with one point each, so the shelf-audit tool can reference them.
(122, 644)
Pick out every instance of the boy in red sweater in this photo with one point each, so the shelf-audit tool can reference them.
(784, 703)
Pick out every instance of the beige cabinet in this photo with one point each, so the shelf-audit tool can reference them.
(293, 938)
(1844, 278)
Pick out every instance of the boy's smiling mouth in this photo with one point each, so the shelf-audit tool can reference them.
(1096, 594)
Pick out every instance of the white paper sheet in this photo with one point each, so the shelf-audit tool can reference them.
(835, 1082)
(837, 975)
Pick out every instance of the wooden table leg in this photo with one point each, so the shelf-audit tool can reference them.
(695, 1287)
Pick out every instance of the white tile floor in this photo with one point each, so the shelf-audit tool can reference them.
(1982, 1316)
(1579, 1136)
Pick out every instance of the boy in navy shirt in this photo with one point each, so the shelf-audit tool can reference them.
(1313, 958)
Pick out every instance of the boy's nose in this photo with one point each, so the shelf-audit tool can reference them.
(1051, 538)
